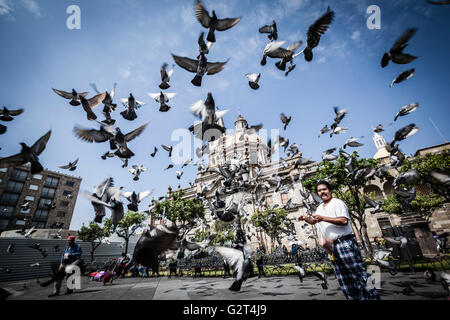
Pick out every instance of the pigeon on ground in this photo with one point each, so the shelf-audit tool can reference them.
(168, 149)
(253, 79)
(406, 110)
(404, 133)
(315, 31)
(71, 166)
(165, 77)
(285, 120)
(396, 54)
(405, 75)
(73, 96)
(239, 262)
(212, 22)
(322, 276)
(28, 154)
(200, 67)
(154, 152)
(7, 115)
(135, 198)
(136, 171)
(162, 98)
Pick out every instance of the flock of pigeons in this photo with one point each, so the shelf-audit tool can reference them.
(233, 176)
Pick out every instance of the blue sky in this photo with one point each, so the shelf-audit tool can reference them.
(127, 41)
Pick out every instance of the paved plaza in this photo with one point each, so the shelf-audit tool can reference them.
(396, 287)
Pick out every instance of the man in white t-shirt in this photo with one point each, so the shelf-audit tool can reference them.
(334, 226)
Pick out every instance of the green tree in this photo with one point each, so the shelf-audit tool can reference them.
(224, 233)
(425, 165)
(346, 188)
(423, 204)
(271, 221)
(127, 226)
(93, 234)
(180, 211)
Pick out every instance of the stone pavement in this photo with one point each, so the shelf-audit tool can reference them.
(216, 288)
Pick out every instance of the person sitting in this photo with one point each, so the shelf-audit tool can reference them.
(260, 265)
(173, 268)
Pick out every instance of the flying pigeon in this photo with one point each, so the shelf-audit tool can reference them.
(28, 154)
(373, 204)
(253, 80)
(285, 120)
(168, 149)
(239, 262)
(7, 115)
(352, 142)
(88, 104)
(203, 47)
(165, 77)
(154, 152)
(274, 50)
(71, 166)
(162, 98)
(213, 23)
(442, 178)
(135, 198)
(179, 174)
(404, 133)
(289, 56)
(131, 104)
(409, 177)
(396, 52)
(315, 31)
(271, 29)
(73, 96)
(324, 130)
(406, 110)
(136, 171)
(405, 75)
(200, 67)
(379, 128)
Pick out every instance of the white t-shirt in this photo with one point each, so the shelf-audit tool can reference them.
(335, 208)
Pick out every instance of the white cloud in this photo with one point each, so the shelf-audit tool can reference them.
(5, 7)
(31, 6)
(322, 60)
(187, 15)
(356, 35)
(125, 72)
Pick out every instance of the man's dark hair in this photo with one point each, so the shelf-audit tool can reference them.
(326, 183)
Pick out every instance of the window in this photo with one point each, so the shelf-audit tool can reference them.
(9, 198)
(64, 203)
(3, 169)
(41, 214)
(67, 192)
(33, 187)
(61, 214)
(48, 192)
(43, 203)
(51, 182)
(37, 176)
(29, 198)
(23, 211)
(14, 186)
(70, 183)
(269, 200)
(20, 222)
(284, 198)
(20, 175)
(4, 224)
(38, 225)
(6, 211)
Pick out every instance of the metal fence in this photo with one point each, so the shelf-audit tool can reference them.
(17, 265)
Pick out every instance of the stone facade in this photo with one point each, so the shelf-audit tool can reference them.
(18, 185)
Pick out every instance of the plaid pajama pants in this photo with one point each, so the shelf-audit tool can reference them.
(351, 271)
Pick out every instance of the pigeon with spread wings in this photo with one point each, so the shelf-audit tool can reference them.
(73, 96)
(162, 98)
(71, 166)
(131, 104)
(200, 67)
(165, 77)
(271, 29)
(315, 31)
(212, 22)
(28, 154)
(396, 54)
